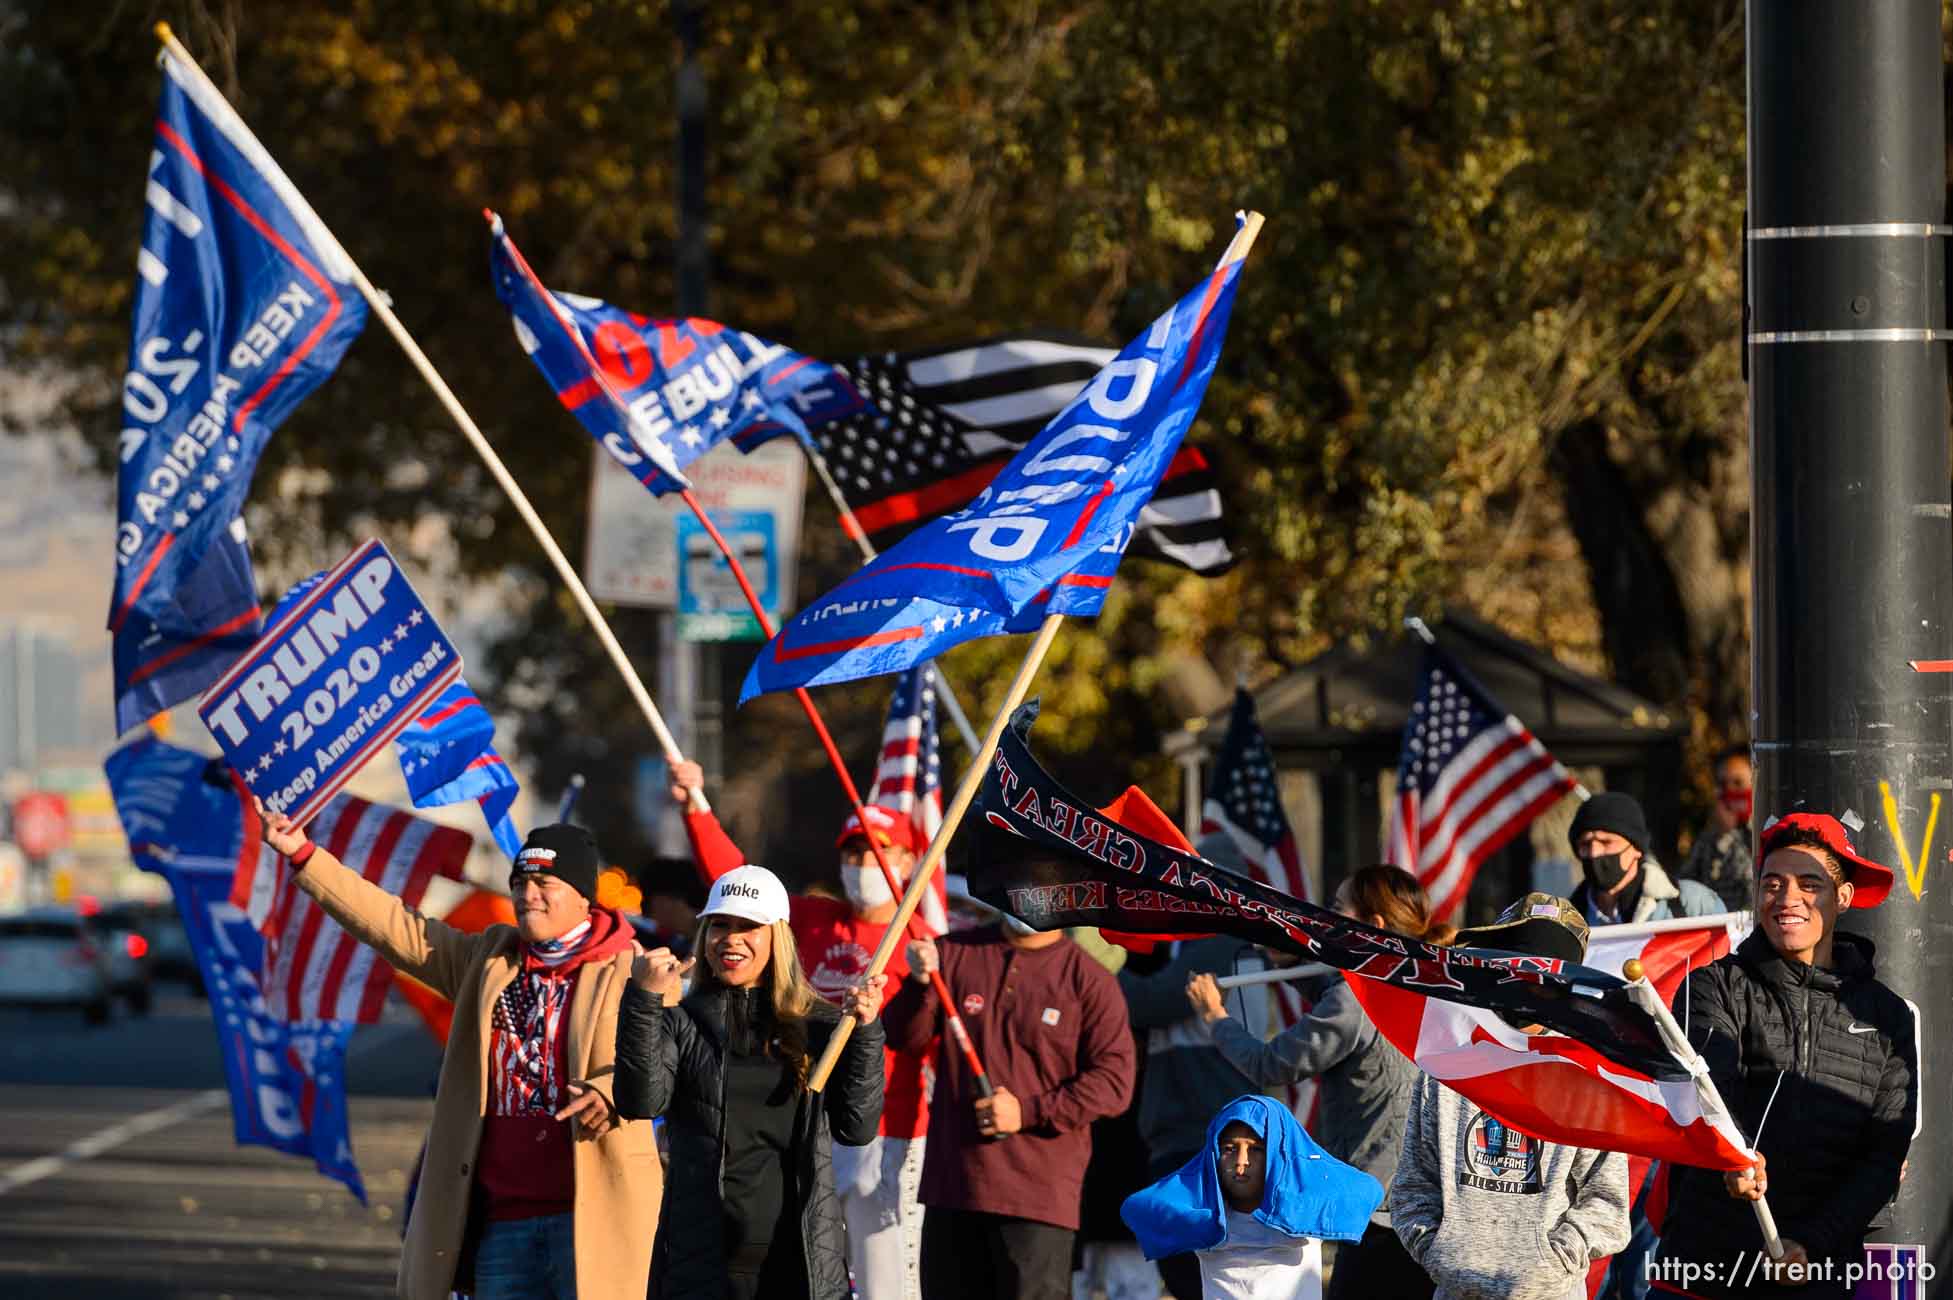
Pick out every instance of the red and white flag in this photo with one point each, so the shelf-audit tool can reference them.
(1553, 1087)
(1668, 951)
(314, 970)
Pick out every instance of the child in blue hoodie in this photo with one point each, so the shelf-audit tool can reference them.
(1255, 1206)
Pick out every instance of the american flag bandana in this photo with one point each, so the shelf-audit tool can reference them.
(523, 1078)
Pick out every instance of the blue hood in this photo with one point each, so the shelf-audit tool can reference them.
(1309, 1192)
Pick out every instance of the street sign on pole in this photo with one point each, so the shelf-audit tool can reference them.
(636, 539)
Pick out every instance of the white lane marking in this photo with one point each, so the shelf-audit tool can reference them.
(33, 1171)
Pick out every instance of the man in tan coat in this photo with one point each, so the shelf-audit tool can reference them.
(532, 1186)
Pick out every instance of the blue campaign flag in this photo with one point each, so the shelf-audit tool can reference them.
(287, 1080)
(349, 661)
(244, 304)
(448, 755)
(658, 394)
(1048, 533)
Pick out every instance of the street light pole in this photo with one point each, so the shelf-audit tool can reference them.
(1852, 547)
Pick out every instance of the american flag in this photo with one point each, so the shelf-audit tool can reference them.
(523, 1029)
(909, 776)
(1470, 776)
(1244, 804)
(313, 970)
(941, 424)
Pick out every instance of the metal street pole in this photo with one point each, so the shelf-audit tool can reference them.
(697, 666)
(1852, 545)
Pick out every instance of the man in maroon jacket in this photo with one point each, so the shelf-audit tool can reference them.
(1050, 1025)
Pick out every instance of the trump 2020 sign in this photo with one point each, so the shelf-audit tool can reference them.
(340, 672)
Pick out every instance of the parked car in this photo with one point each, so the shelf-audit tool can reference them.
(55, 957)
(125, 933)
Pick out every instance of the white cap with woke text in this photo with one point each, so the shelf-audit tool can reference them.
(750, 893)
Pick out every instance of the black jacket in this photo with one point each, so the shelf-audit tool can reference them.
(1844, 1047)
(669, 1063)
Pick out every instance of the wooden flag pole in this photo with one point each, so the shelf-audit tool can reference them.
(384, 310)
(1020, 686)
(852, 527)
(957, 1030)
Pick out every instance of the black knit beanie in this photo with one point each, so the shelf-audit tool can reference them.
(566, 852)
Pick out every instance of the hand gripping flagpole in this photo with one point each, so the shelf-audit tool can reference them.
(384, 310)
(851, 525)
(957, 1030)
(1644, 994)
(1020, 686)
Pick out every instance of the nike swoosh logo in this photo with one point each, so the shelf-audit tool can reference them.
(1862, 1029)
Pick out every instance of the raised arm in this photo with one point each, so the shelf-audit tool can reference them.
(1320, 1040)
(647, 1036)
(713, 851)
(435, 954)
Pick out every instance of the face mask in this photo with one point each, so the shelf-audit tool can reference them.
(865, 887)
(1738, 804)
(1605, 872)
(1014, 926)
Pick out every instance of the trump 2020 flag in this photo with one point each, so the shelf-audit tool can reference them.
(1046, 535)
(448, 755)
(244, 304)
(286, 1078)
(658, 394)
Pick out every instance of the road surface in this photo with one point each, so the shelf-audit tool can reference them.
(119, 1177)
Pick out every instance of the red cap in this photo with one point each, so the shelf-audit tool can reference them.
(889, 828)
(1870, 882)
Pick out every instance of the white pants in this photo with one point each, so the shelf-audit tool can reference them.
(1116, 1270)
(878, 1185)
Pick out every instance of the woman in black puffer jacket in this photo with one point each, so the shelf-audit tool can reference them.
(749, 1209)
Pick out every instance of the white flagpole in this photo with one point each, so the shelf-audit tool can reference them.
(382, 309)
(1307, 970)
(1644, 994)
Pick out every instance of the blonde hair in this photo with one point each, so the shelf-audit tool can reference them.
(788, 993)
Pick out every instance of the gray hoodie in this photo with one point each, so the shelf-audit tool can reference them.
(1493, 1214)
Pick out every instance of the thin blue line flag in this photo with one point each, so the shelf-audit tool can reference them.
(658, 394)
(1048, 533)
(244, 304)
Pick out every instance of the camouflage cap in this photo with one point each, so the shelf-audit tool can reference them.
(1530, 926)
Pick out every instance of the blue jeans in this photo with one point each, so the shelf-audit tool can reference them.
(526, 1259)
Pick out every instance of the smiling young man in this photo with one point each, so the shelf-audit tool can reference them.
(1817, 1061)
(532, 1186)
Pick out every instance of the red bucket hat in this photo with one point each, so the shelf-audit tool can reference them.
(1870, 882)
(890, 829)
